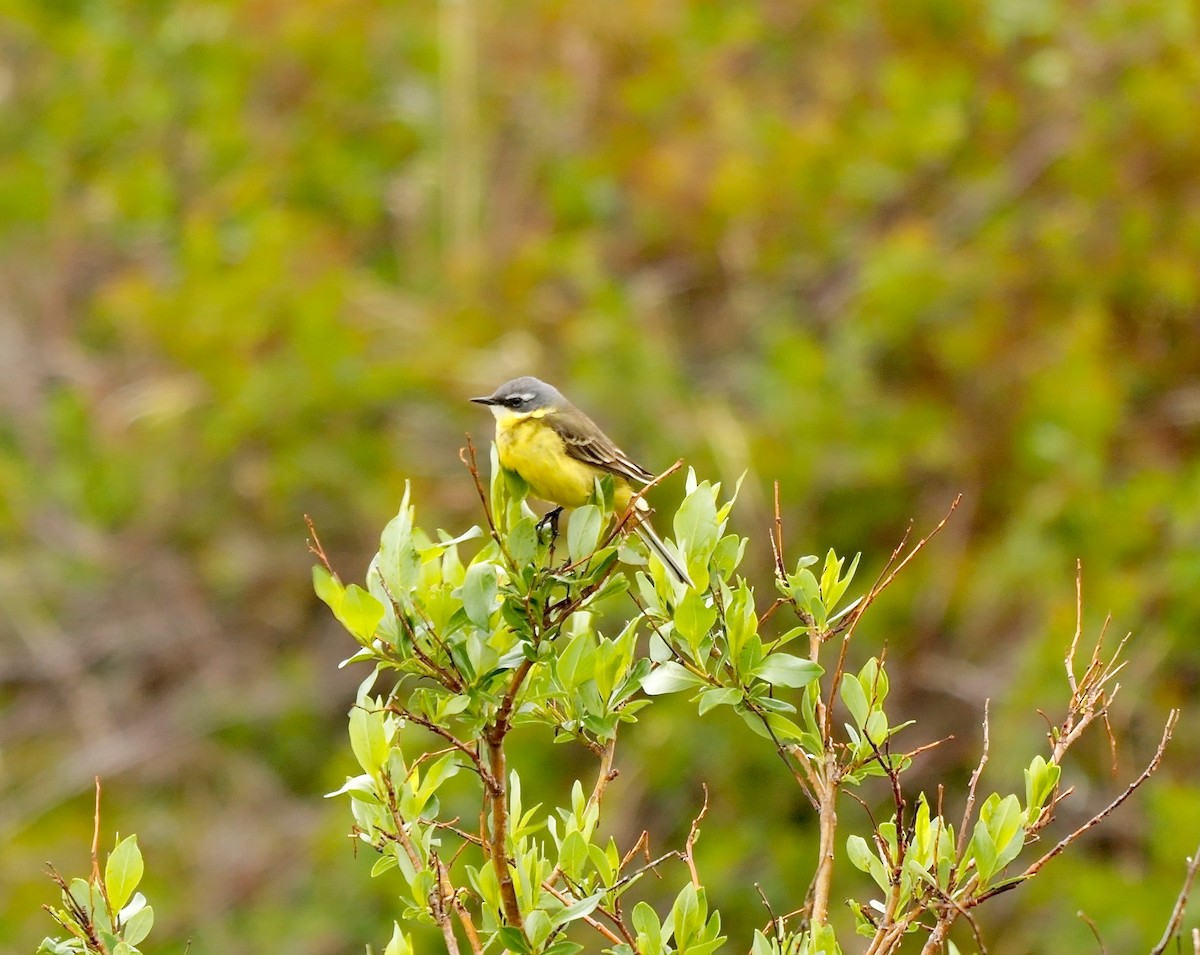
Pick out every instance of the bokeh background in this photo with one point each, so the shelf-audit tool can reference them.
(254, 256)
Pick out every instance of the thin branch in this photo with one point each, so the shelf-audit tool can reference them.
(777, 539)
(1129, 790)
(774, 925)
(631, 511)
(693, 835)
(598, 926)
(439, 896)
(1193, 863)
(1091, 924)
(471, 753)
(96, 839)
(314, 545)
(894, 565)
(1069, 662)
(970, 807)
(467, 457)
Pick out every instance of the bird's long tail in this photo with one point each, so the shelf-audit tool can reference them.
(655, 543)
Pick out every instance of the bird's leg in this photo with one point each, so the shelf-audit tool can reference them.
(550, 521)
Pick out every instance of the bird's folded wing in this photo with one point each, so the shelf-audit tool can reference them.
(585, 442)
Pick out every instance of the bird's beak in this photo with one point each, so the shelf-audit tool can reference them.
(484, 401)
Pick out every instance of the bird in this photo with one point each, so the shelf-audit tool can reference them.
(560, 451)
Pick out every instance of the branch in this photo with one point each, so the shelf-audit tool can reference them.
(693, 835)
(1193, 863)
(893, 567)
(1129, 790)
(472, 754)
(970, 807)
(498, 843)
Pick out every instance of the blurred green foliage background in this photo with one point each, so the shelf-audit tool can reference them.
(255, 255)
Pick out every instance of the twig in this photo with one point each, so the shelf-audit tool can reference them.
(1090, 923)
(1193, 863)
(454, 741)
(439, 896)
(1129, 790)
(631, 511)
(777, 539)
(971, 787)
(96, 880)
(693, 835)
(894, 565)
(1069, 662)
(314, 545)
(773, 925)
(467, 457)
(598, 926)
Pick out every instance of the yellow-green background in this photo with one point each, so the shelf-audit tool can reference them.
(254, 256)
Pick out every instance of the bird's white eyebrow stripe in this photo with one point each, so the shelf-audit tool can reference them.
(528, 396)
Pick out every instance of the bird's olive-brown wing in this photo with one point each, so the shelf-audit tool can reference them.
(585, 442)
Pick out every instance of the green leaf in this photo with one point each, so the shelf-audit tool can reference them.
(537, 928)
(1040, 779)
(783, 669)
(328, 588)
(511, 938)
(983, 849)
(123, 872)
(522, 541)
(583, 532)
(360, 613)
(741, 621)
(138, 925)
(669, 677)
(856, 701)
(577, 662)
(646, 923)
(368, 736)
(693, 618)
(697, 531)
(563, 946)
(577, 910)
(398, 562)
(479, 593)
(717, 696)
(685, 915)
(400, 944)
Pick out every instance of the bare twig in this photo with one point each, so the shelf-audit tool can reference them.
(632, 515)
(1091, 924)
(567, 900)
(969, 810)
(314, 545)
(693, 835)
(471, 753)
(894, 565)
(1128, 791)
(96, 838)
(777, 539)
(1193, 863)
(467, 457)
(439, 897)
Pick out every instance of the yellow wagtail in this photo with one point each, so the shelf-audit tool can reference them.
(560, 452)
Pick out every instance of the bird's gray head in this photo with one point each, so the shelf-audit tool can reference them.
(522, 396)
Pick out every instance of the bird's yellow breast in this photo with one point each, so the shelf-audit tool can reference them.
(529, 446)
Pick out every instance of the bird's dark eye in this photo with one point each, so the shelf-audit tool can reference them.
(512, 402)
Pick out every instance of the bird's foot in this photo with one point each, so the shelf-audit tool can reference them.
(550, 521)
